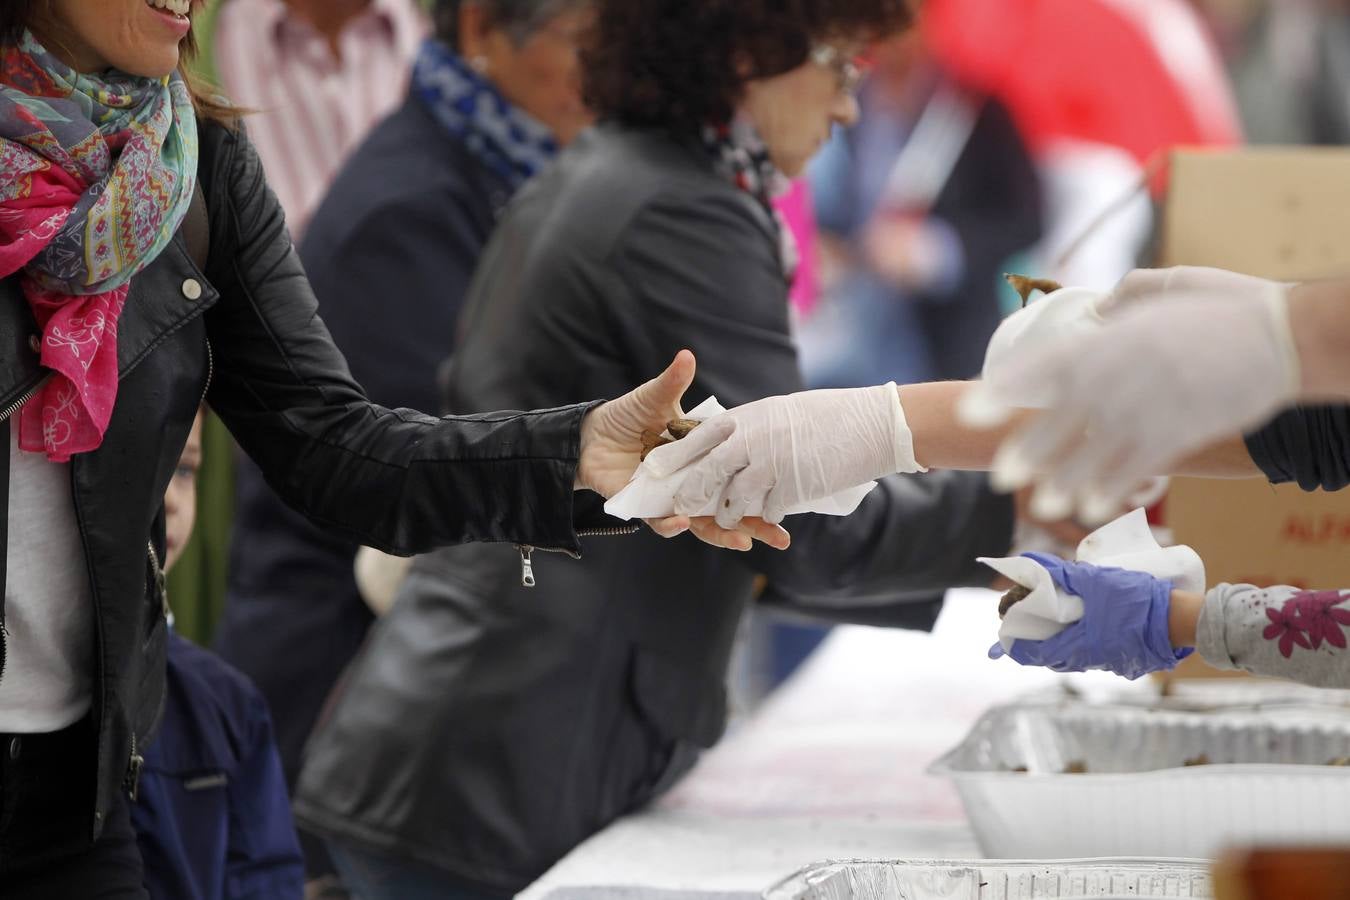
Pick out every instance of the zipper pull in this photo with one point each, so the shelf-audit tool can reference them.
(526, 567)
(161, 580)
(134, 766)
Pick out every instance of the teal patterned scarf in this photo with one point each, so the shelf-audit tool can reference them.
(96, 174)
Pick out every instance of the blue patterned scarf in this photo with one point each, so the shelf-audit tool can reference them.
(504, 138)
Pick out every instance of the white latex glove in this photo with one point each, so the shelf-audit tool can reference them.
(1185, 358)
(790, 450)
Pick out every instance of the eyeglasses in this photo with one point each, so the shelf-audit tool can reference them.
(847, 69)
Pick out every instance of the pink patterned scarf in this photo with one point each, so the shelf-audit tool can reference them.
(96, 174)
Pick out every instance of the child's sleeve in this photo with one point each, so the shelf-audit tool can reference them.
(1278, 632)
(263, 860)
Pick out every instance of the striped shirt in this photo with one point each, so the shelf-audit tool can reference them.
(313, 107)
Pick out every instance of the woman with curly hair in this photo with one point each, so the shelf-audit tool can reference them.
(485, 729)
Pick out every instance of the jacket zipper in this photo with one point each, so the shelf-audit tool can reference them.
(210, 373)
(136, 762)
(5, 413)
(526, 550)
(25, 397)
(132, 783)
(161, 585)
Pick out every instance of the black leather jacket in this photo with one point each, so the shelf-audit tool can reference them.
(245, 336)
(486, 729)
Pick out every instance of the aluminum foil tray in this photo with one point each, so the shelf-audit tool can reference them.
(1079, 780)
(1136, 879)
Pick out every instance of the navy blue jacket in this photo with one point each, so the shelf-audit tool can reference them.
(389, 254)
(213, 819)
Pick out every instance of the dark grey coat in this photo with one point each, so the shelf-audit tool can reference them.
(485, 728)
(389, 254)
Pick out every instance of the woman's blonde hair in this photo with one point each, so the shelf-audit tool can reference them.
(16, 15)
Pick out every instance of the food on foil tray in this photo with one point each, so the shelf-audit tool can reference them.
(1267, 780)
(1073, 767)
(1079, 767)
(1026, 286)
(678, 429)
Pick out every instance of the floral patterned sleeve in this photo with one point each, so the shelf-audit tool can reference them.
(1277, 632)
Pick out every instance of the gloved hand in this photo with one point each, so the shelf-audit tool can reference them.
(1124, 628)
(1185, 357)
(789, 450)
(611, 441)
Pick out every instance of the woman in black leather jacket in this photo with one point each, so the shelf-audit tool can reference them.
(148, 266)
(484, 730)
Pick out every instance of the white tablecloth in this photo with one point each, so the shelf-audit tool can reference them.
(833, 766)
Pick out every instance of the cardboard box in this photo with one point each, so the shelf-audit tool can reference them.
(1279, 213)
(1274, 212)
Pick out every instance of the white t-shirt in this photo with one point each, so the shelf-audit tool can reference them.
(48, 681)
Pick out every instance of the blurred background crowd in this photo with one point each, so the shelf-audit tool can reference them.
(1001, 136)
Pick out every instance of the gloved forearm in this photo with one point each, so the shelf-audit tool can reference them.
(1319, 317)
(1277, 632)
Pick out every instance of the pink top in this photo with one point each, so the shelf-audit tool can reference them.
(797, 210)
(312, 108)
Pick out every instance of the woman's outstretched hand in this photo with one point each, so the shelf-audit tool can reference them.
(611, 449)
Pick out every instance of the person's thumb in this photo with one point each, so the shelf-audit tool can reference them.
(660, 396)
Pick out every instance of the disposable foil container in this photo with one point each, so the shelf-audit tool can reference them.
(1136, 879)
(1078, 780)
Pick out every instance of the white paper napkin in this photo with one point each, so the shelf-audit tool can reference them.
(1126, 543)
(647, 497)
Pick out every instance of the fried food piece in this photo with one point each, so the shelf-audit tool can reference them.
(650, 441)
(1076, 767)
(1012, 598)
(679, 429)
(1025, 286)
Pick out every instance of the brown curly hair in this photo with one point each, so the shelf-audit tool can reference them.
(681, 64)
(16, 15)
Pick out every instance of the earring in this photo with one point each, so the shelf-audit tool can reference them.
(479, 64)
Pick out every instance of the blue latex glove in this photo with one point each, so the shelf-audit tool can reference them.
(1123, 629)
